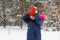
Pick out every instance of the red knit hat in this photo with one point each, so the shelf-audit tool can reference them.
(33, 11)
(44, 17)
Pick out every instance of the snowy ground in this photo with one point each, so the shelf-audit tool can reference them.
(16, 33)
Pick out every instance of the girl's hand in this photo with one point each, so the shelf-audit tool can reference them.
(32, 17)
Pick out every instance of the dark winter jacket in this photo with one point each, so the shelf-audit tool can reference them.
(34, 27)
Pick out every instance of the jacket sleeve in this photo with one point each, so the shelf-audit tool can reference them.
(38, 20)
(26, 18)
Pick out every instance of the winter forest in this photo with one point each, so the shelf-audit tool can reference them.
(11, 12)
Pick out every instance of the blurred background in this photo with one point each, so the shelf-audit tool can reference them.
(11, 12)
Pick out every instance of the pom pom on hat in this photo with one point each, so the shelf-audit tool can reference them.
(44, 17)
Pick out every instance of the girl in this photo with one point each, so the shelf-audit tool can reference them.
(34, 21)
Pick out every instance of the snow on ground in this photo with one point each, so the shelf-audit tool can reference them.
(11, 33)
